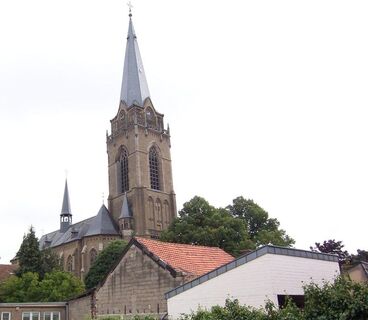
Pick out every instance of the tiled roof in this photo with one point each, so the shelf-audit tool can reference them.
(6, 270)
(190, 259)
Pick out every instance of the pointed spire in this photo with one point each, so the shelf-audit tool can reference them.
(66, 202)
(125, 211)
(66, 212)
(134, 87)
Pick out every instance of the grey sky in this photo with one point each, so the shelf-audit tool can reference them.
(265, 99)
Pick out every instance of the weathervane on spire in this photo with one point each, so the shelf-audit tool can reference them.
(129, 4)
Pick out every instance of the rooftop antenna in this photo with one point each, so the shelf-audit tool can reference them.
(129, 4)
(103, 198)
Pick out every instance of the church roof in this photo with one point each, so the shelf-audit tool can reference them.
(65, 209)
(190, 259)
(101, 224)
(134, 87)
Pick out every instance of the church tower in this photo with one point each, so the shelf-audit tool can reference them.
(141, 194)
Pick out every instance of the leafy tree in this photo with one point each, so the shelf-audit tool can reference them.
(56, 286)
(104, 262)
(29, 255)
(60, 286)
(333, 247)
(240, 227)
(342, 299)
(261, 228)
(202, 224)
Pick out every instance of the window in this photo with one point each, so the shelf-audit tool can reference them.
(69, 264)
(51, 315)
(30, 316)
(124, 170)
(5, 316)
(297, 299)
(92, 256)
(154, 169)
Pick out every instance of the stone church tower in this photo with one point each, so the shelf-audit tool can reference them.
(141, 194)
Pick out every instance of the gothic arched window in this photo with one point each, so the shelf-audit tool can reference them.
(124, 170)
(92, 256)
(69, 264)
(154, 169)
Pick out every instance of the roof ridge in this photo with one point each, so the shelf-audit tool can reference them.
(180, 244)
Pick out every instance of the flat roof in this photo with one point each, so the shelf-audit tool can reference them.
(268, 249)
(33, 304)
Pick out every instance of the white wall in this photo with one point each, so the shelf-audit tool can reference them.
(254, 282)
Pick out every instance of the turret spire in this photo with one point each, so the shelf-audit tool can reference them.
(66, 213)
(134, 87)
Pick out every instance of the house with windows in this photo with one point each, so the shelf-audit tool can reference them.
(269, 273)
(141, 197)
(33, 311)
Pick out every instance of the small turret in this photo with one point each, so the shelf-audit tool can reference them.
(66, 214)
(126, 220)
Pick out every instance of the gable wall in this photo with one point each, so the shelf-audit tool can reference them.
(136, 286)
(255, 282)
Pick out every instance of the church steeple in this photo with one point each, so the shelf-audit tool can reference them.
(134, 87)
(139, 160)
(66, 213)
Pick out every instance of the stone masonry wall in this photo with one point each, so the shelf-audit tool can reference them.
(136, 286)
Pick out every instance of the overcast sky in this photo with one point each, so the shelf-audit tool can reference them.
(265, 99)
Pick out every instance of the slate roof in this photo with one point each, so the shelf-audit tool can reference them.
(6, 270)
(189, 259)
(134, 87)
(101, 224)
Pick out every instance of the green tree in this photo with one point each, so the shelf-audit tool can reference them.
(29, 255)
(340, 300)
(56, 286)
(261, 228)
(333, 247)
(242, 226)
(49, 262)
(202, 224)
(104, 262)
(60, 286)
(32, 259)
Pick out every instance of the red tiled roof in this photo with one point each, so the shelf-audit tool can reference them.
(192, 259)
(6, 270)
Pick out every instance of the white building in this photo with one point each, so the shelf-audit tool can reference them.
(269, 273)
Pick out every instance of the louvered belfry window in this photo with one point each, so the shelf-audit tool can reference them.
(154, 169)
(124, 170)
